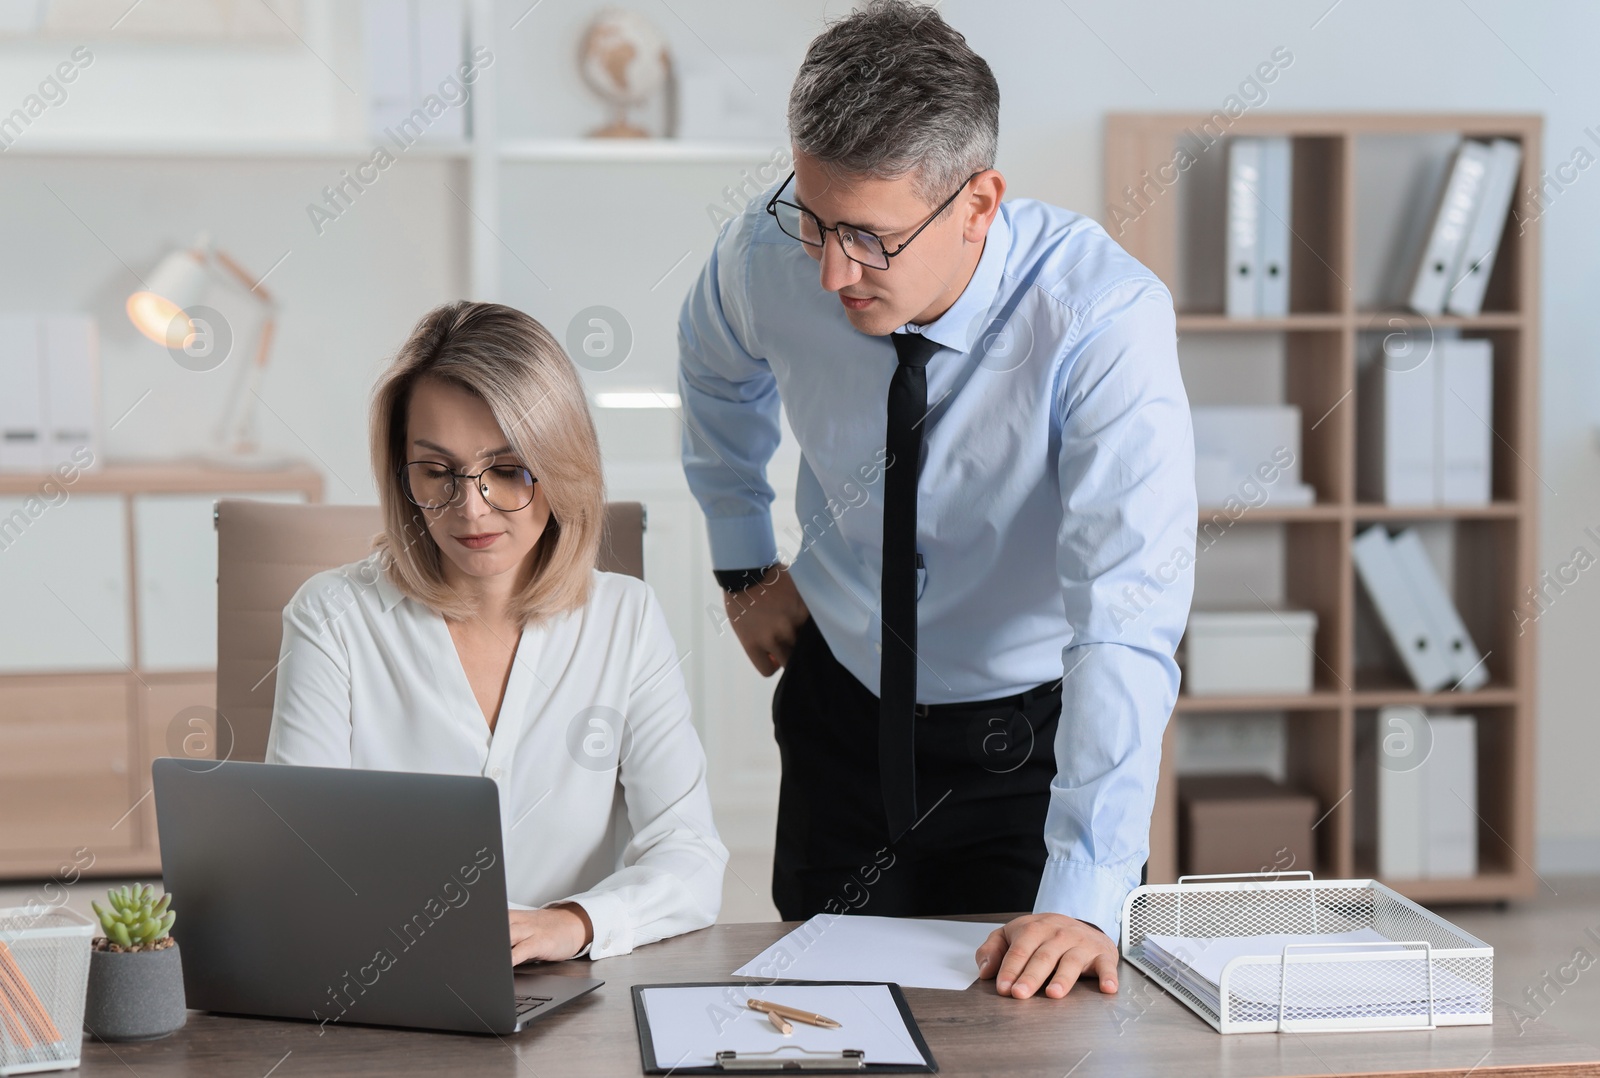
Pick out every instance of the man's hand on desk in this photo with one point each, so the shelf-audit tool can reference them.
(766, 617)
(549, 935)
(1047, 950)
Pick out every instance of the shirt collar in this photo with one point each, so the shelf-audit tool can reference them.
(959, 327)
(389, 595)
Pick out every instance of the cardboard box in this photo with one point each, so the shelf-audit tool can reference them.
(1244, 823)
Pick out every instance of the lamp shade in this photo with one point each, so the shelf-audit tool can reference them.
(177, 283)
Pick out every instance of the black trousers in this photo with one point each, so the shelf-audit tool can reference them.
(983, 779)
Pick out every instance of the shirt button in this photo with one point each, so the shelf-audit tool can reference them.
(878, 648)
(495, 773)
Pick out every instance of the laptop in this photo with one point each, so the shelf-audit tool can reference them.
(344, 896)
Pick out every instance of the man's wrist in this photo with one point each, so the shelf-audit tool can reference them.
(737, 580)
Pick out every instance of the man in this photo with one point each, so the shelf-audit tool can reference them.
(996, 495)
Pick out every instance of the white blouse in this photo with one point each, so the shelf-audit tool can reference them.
(370, 678)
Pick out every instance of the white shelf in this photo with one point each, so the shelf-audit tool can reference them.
(578, 151)
(652, 151)
(288, 149)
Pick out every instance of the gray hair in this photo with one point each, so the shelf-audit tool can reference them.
(892, 89)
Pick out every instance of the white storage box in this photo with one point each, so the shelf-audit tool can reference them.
(44, 967)
(1249, 651)
(1426, 973)
(1248, 454)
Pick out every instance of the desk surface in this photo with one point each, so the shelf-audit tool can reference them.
(1139, 1031)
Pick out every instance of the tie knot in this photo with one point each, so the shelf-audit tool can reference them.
(913, 349)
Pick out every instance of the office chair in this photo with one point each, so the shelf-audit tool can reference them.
(266, 550)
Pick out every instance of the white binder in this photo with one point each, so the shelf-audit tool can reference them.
(72, 390)
(1397, 427)
(1471, 274)
(21, 395)
(1408, 626)
(1276, 182)
(441, 50)
(1466, 667)
(1243, 296)
(1450, 811)
(1402, 798)
(1450, 223)
(1463, 443)
(411, 47)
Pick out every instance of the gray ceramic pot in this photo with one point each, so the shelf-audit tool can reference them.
(135, 995)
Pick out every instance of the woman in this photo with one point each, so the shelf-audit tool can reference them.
(479, 639)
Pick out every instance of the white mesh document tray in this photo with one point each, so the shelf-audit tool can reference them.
(44, 974)
(1412, 970)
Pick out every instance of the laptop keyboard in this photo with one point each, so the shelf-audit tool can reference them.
(526, 1005)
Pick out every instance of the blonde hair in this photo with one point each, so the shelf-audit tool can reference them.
(519, 370)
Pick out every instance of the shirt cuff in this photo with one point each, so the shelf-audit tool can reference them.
(741, 542)
(1092, 893)
(613, 932)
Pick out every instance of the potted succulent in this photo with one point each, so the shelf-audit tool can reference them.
(135, 972)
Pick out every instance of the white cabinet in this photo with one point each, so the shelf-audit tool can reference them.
(63, 584)
(175, 561)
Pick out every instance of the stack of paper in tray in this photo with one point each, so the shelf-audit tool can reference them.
(1316, 989)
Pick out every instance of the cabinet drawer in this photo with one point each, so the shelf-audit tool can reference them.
(65, 750)
(64, 584)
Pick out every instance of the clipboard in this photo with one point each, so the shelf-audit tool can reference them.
(793, 1060)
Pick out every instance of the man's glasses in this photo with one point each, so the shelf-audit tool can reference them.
(431, 485)
(858, 244)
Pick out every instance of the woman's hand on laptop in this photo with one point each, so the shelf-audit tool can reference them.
(549, 935)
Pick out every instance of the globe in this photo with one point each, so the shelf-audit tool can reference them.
(624, 59)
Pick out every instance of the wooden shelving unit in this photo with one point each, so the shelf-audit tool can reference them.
(76, 741)
(1495, 544)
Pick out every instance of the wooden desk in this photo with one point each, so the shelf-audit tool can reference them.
(1140, 1031)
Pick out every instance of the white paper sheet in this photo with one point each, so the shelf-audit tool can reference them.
(689, 1026)
(1315, 989)
(911, 952)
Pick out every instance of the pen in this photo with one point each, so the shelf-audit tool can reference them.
(791, 1012)
(780, 1023)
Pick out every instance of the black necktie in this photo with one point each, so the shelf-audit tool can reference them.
(897, 689)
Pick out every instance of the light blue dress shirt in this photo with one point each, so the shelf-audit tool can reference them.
(1056, 497)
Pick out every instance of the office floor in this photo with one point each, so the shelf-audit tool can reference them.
(1532, 939)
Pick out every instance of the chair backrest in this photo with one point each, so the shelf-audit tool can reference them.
(266, 550)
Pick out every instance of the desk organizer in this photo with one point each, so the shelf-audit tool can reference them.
(44, 973)
(1429, 974)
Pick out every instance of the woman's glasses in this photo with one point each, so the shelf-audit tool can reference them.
(431, 485)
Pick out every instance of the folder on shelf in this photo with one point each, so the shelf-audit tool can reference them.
(71, 389)
(1476, 262)
(1451, 810)
(411, 47)
(22, 435)
(441, 49)
(1463, 443)
(1408, 626)
(1242, 295)
(1400, 792)
(1442, 250)
(1276, 183)
(1424, 816)
(1466, 665)
(1397, 428)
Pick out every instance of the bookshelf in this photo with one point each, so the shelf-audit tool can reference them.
(1357, 183)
